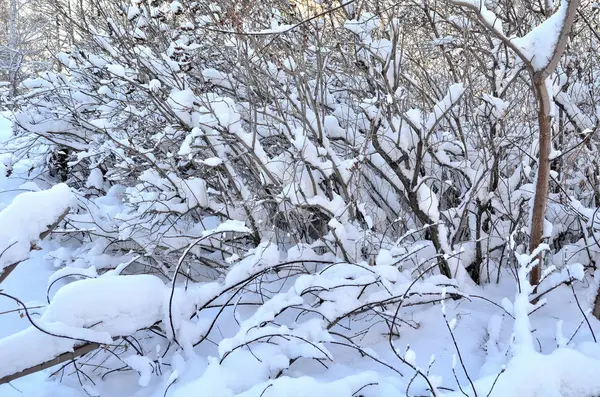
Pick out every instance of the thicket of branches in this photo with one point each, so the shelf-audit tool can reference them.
(373, 152)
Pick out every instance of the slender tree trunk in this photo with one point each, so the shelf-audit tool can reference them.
(543, 174)
(14, 63)
(71, 29)
(596, 311)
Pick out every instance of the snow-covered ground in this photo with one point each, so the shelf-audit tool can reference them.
(482, 329)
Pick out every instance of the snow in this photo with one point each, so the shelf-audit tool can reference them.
(290, 64)
(155, 85)
(5, 126)
(309, 387)
(67, 271)
(236, 239)
(455, 91)
(117, 70)
(143, 365)
(182, 102)
(527, 374)
(95, 179)
(229, 226)
(176, 6)
(564, 373)
(496, 106)
(139, 34)
(132, 12)
(540, 43)
(488, 16)
(27, 217)
(69, 311)
(129, 303)
(364, 25)
(282, 28)
(29, 347)
(85, 310)
(213, 161)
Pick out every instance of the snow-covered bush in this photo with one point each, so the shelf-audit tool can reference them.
(299, 176)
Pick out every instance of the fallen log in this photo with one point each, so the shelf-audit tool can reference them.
(79, 351)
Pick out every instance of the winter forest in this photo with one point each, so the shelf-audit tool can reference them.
(303, 198)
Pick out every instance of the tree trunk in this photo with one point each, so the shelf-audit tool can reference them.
(13, 71)
(543, 174)
(596, 311)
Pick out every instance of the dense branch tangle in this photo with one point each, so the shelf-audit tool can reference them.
(369, 136)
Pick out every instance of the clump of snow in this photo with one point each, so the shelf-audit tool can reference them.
(128, 303)
(154, 85)
(28, 216)
(493, 106)
(455, 92)
(213, 161)
(143, 365)
(488, 16)
(540, 43)
(117, 70)
(364, 25)
(176, 6)
(95, 179)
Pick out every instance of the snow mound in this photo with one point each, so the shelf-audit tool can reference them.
(117, 305)
(28, 216)
(563, 373)
(92, 310)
